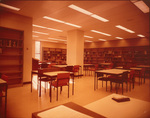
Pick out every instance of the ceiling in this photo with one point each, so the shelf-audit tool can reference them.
(123, 13)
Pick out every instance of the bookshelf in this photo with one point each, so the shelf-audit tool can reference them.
(54, 55)
(11, 54)
(120, 56)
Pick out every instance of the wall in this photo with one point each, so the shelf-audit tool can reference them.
(119, 43)
(18, 22)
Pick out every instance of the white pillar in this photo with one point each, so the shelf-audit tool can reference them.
(75, 47)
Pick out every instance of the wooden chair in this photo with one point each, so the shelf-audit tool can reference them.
(119, 80)
(100, 77)
(131, 79)
(76, 70)
(110, 66)
(62, 80)
(3, 91)
(93, 69)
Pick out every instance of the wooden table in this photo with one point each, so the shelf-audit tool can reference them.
(109, 108)
(67, 110)
(52, 76)
(4, 84)
(108, 72)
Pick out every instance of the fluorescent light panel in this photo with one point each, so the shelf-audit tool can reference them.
(40, 32)
(140, 35)
(141, 5)
(80, 9)
(46, 28)
(88, 41)
(100, 32)
(87, 36)
(9, 7)
(47, 40)
(125, 29)
(56, 20)
(87, 13)
(34, 36)
(119, 38)
(57, 39)
(102, 39)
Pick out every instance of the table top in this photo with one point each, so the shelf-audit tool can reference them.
(2, 81)
(144, 66)
(70, 110)
(105, 64)
(111, 109)
(60, 66)
(53, 74)
(139, 69)
(112, 71)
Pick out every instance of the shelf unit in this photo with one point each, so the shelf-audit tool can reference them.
(11, 55)
(54, 55)
(120, 56)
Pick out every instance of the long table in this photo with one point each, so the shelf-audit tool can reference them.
(109, 108)
(67, 110)
(108, 72)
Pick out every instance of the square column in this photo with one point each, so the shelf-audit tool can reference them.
(75, 47)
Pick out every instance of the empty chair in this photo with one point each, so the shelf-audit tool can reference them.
(76, 70)
(119, 80)
(62, 80)
(100, 77)
(131, 79)
(93, 69)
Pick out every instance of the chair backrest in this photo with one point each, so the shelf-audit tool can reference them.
(125, 76)
(76, 68)
(35, 64)
(96, 66)
(111, 66)
(69, 68)
(131, 76)
(63, 79)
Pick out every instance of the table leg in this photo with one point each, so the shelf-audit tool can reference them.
(73, 85)
(31, 81)
(40, 88)
(6, 102)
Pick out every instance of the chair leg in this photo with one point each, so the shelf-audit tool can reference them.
(50, 92)
(106, 85)
(57, 94)
(68, 90)
(122, 88)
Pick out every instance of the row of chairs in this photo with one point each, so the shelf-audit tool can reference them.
(127, 78)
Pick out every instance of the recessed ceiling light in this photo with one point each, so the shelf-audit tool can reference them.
(141, 5)
(73, 25)
(35, 36)
(102, 39)
(87, 36)
(99, 18)
(88, 41)
(100, 32)
(40, 33)
(119, 38)
(140, 35)
(53, 19)
(46, 40)
(125, 29)
(46, 28)
(57, 39)
(9, 7)
(79, 9)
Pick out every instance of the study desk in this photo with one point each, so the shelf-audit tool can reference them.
(109, 108)
(52, 76)
(4, 84)
(67, 110)
(108, 72)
